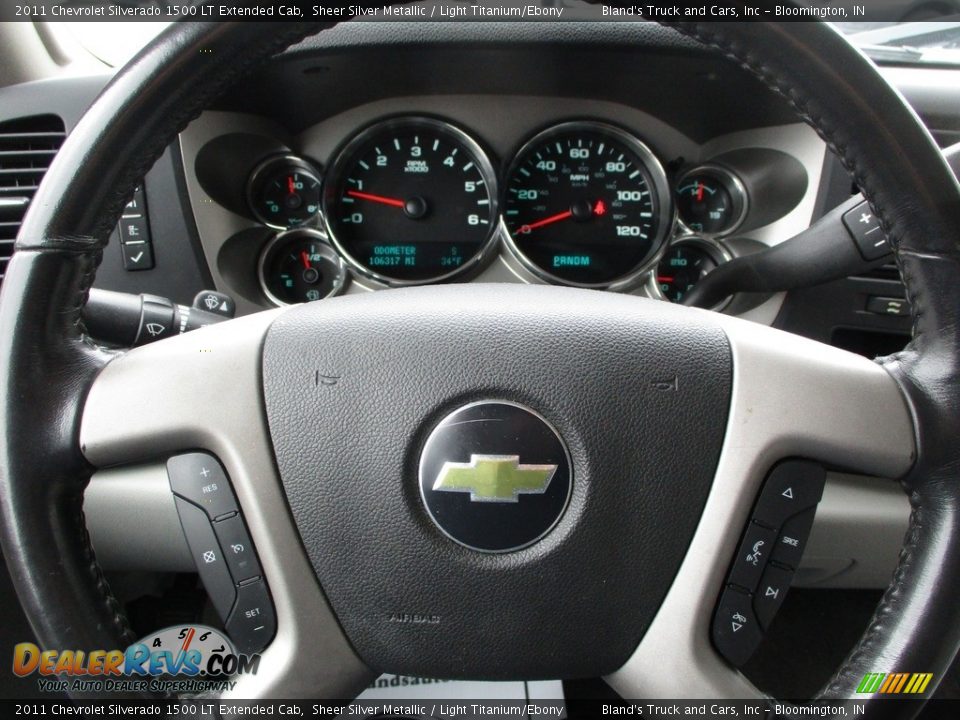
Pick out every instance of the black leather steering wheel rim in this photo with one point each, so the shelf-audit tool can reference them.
(48, 364)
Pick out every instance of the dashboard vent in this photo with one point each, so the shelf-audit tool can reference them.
(27, 147)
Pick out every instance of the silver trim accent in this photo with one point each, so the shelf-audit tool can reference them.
(14, 202)
(566, 453)
(712, 246)
(211, 398)
(326, 250)
(791, 397)
(146, 534)
(733, 185)
(271, 164)
(480, 159)
(665, 210)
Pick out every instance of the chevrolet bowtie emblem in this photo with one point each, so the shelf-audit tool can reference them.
(494, 478)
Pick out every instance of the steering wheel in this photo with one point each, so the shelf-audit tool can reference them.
(625, 582)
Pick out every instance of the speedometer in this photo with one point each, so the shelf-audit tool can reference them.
(411, 200)
(587, 204)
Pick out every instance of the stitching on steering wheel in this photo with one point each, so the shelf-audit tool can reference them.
(838, 685)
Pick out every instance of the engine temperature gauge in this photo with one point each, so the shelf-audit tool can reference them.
(299, 266)
(284, 192)
(684, 264)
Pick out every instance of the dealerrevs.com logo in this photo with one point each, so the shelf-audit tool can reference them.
(184, 658)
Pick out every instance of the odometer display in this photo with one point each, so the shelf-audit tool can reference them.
(411, 200)
(586, 204)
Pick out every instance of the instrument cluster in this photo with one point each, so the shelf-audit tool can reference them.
(414, 200)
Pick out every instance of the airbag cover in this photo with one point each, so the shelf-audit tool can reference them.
(637, 389)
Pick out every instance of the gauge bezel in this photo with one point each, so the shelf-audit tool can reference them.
(480, 158)
(733, 185)
(661, 185)
(271, 164)
(326, 250)
(715, 248)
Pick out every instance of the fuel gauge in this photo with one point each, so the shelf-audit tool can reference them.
(711, 200)
(299, 266)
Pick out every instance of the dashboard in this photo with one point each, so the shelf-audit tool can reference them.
(508, 188)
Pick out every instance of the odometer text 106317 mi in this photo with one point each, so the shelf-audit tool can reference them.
(411, 200)
(587, 204)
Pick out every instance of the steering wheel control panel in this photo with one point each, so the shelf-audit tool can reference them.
(222, 549)
(769, 553)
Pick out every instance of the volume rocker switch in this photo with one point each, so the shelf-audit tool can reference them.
(736, 632)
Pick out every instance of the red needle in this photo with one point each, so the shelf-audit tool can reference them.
(392, 202)
(699, 192)
(290, 188)
(306, 259)
(546, 221)
(664, 279)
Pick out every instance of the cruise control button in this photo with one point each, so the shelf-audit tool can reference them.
(199, 478)
(211, 564)
(793, 486)
(736, 632)
(238, 548)
(770, 593)
(252, 623)
(755, 549)
(793, 538)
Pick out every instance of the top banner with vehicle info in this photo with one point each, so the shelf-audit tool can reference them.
(474, 11)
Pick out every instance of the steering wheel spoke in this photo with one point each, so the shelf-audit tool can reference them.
(791, 397)
(202, 391)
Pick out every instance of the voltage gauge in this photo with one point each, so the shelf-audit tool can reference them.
(711, 200)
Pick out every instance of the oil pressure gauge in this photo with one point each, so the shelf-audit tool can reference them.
(284, 192)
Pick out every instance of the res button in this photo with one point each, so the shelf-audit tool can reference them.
(199, 478)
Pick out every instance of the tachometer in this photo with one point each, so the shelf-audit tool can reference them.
(587, 204)
(411, 200)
